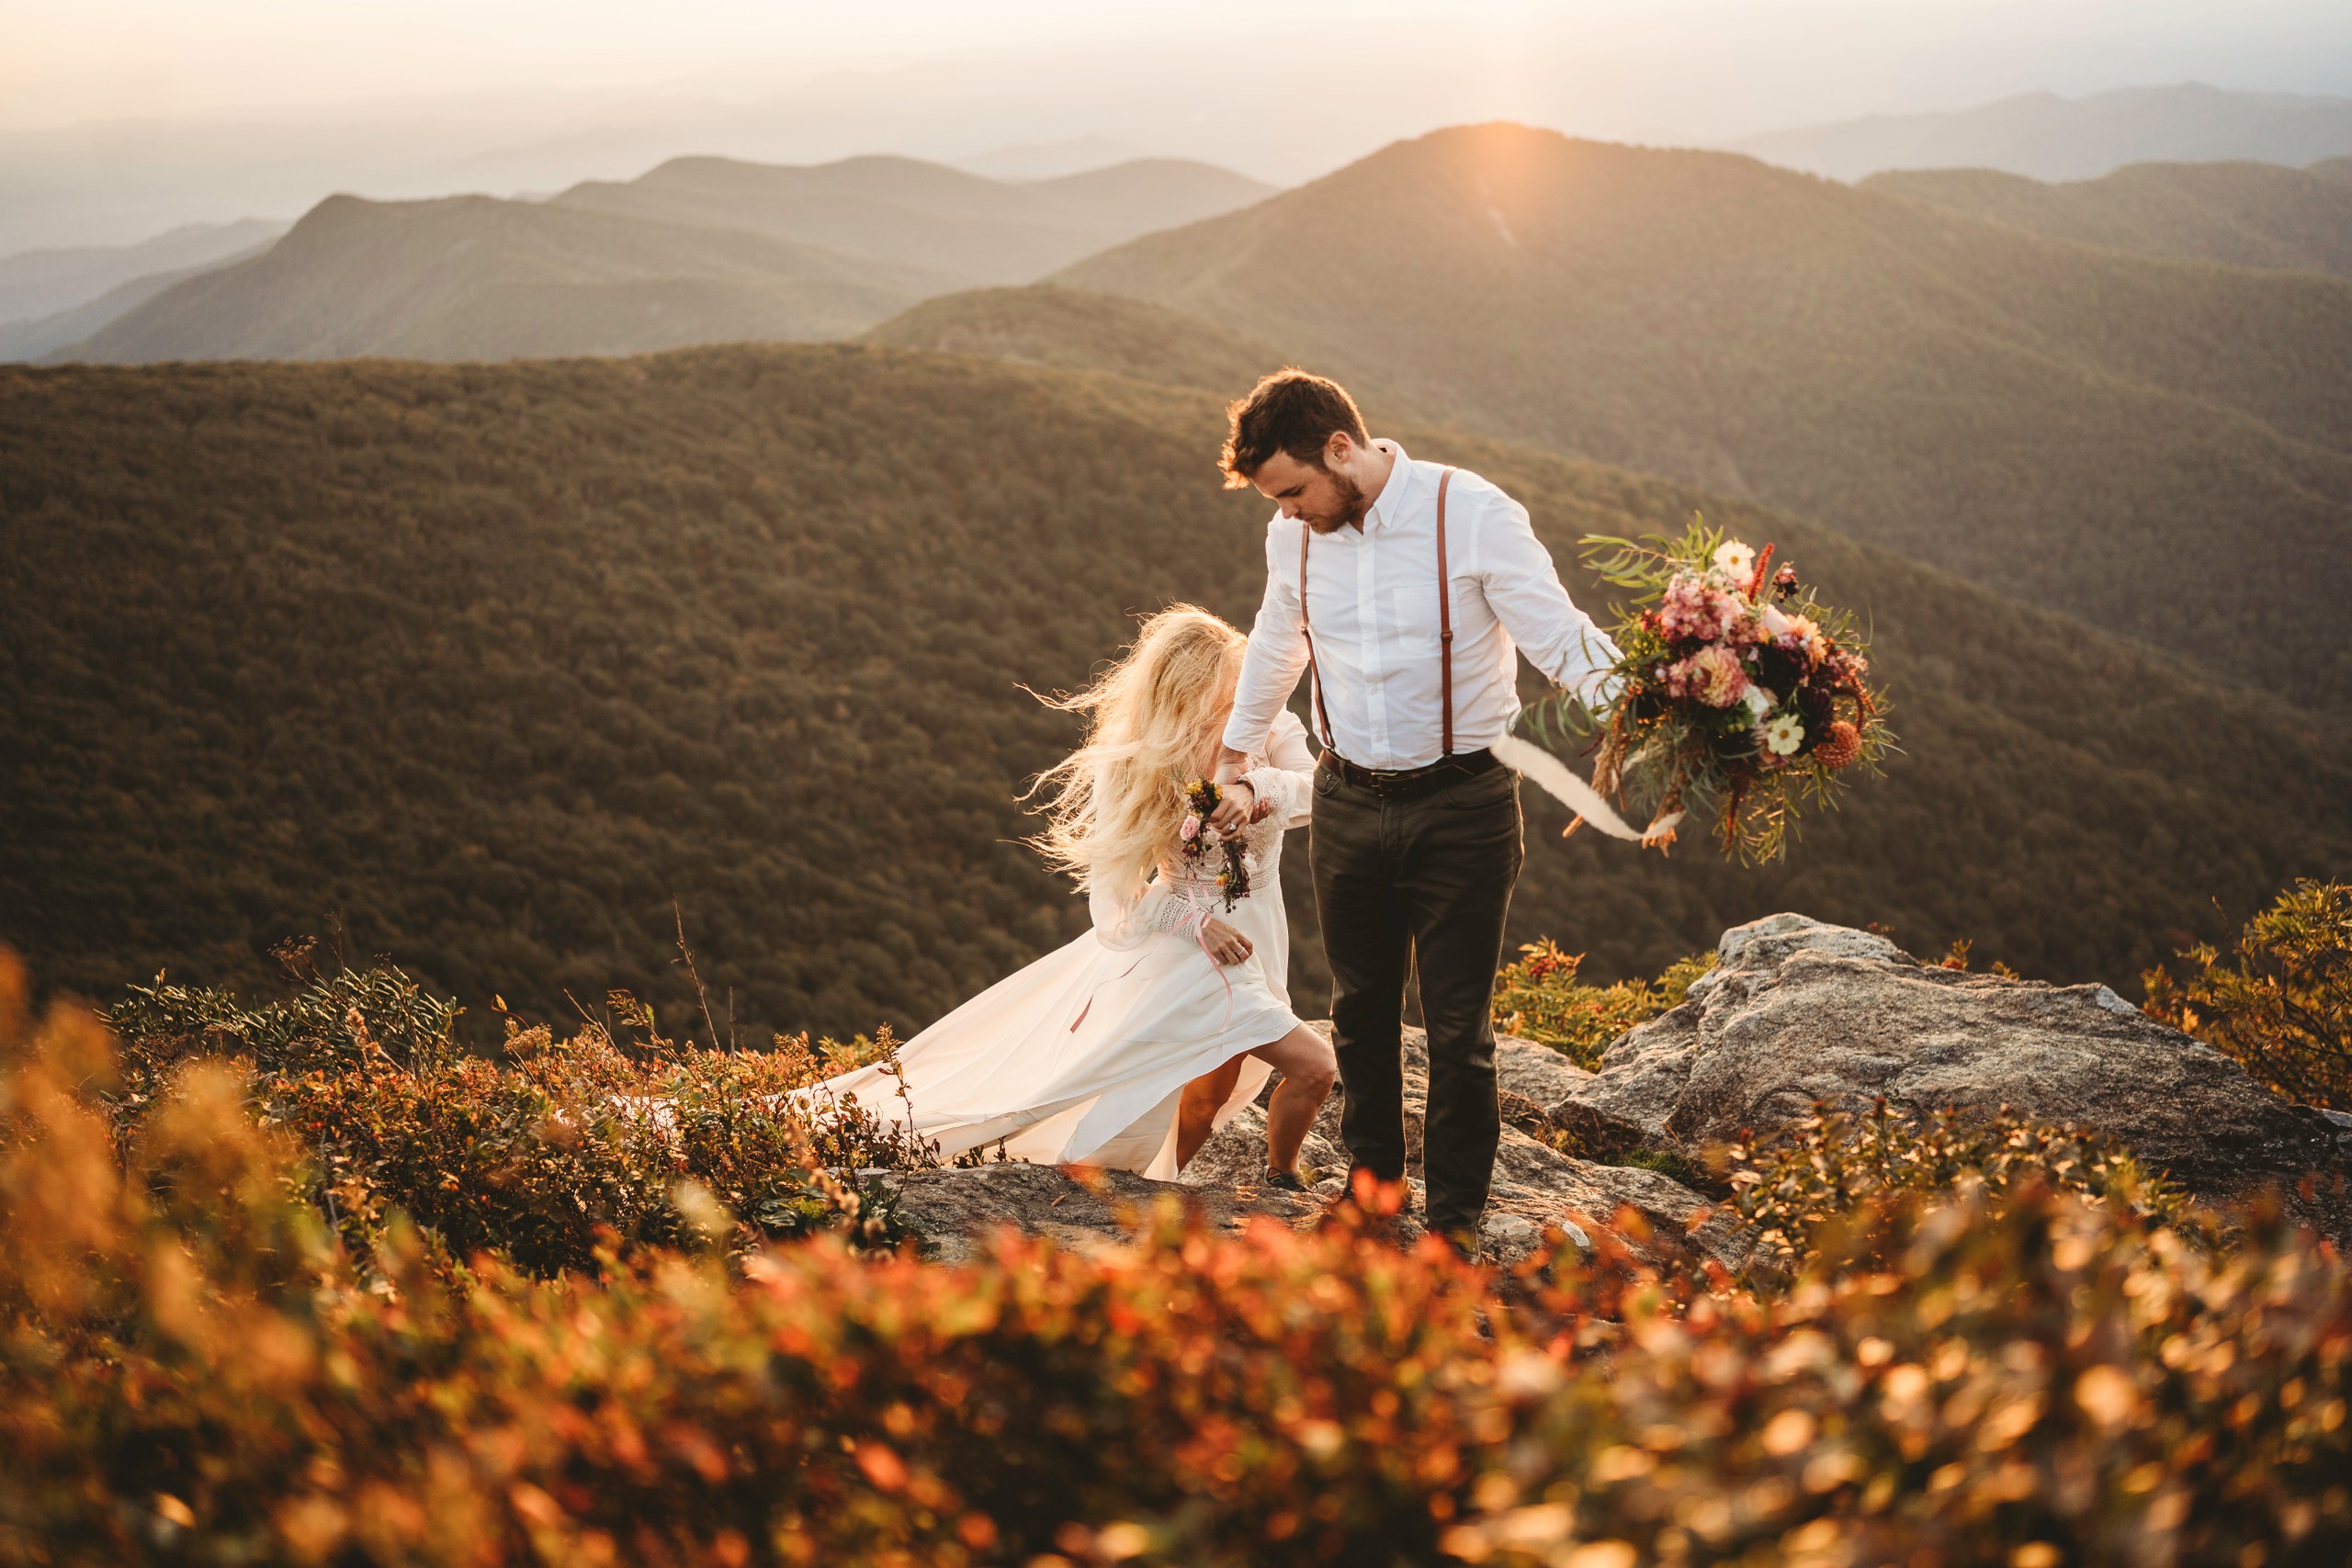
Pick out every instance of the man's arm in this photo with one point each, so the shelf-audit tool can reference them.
(1269, 670)
(1523, 588)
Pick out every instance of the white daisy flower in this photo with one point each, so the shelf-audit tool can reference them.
(1783, 733)
(1735, 561)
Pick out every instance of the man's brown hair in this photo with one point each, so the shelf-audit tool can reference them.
(1293, 412)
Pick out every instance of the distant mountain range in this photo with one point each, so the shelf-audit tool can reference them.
(2163, 449)
(905, 212)
(2046, 137)
(34, 284)
(474, 278)
(697, 251)
(2241, 214)
(45, 335)
(481, 665)
(1044, 160)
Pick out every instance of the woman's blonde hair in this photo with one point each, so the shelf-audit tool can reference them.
(1115, 803)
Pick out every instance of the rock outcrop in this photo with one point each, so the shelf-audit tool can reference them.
(1536, 1188)
(952, 1213)
(1797, 1012)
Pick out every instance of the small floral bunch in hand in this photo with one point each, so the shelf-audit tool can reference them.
(1209, 854)
(1734, 689)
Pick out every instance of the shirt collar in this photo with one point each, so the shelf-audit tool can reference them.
(1396, 494)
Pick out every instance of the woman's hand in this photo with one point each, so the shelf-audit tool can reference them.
(1223, 943)
(1230, 813)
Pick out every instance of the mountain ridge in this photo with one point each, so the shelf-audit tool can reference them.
(44, 335)
(42, 283)
(2162, 447)
(476, 277)
(909, 211)
(2233, 214)
(698, 249)
(2047, 137)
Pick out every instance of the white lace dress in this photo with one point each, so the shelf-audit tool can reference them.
(1083, 1055)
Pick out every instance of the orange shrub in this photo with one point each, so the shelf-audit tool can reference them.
(193, 1370)
(555, 1150)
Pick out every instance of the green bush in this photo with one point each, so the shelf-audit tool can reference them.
(2281, 1003)
(1828, 1180)
(195, 1367)
(1540, 998)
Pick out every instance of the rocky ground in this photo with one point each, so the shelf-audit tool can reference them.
(1796, 1013)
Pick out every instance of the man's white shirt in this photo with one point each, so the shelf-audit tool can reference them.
(1371, 603)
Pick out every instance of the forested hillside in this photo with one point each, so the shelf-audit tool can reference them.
(2260, 215)
(489, 662)
(1048, 324)
(2161, 448)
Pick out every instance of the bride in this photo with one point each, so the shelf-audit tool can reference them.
(1130, 1045)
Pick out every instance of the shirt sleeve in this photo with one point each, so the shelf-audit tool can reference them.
(1523, 589)
(1277, 653)
(1286, 782)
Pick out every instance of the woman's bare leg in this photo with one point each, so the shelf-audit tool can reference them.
(1308, 1069)
(1196, 1112)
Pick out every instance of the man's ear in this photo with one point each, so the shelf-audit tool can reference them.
(1338, 449)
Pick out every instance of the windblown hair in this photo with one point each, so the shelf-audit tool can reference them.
(1115, 803)
(1292, 410)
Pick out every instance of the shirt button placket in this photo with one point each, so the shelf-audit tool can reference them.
(1376, 674)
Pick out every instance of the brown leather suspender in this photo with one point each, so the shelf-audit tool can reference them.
(1314, 671)
(1444, 624)
(1444, 616)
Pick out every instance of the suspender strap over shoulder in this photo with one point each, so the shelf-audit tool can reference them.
(1445, 626)
(1444, 616)
(1313, 672)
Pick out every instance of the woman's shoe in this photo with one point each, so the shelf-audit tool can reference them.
(1284, 1180)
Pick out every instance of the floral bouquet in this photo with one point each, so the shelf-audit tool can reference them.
(1209, 855)
(1732, 689)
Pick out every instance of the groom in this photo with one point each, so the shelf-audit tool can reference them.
(1409, 590)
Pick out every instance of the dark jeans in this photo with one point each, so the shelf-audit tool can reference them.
(1427, 881)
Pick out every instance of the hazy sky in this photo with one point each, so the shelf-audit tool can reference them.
(115, 114)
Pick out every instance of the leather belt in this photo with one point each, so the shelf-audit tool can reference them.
(1409, 783)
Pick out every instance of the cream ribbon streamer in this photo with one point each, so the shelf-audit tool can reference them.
(1561, 782)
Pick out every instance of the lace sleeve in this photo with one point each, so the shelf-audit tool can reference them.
(1124, 923)
(1287, 779)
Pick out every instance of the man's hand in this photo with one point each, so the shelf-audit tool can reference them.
(1231, 812)
(1224, 945)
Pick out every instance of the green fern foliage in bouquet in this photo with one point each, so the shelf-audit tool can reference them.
(1735, 692)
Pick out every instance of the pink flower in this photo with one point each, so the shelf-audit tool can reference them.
(1679, 614)
(1715, 677)
(1190, 830)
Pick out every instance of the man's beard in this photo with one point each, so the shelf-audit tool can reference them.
(1352, 507)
